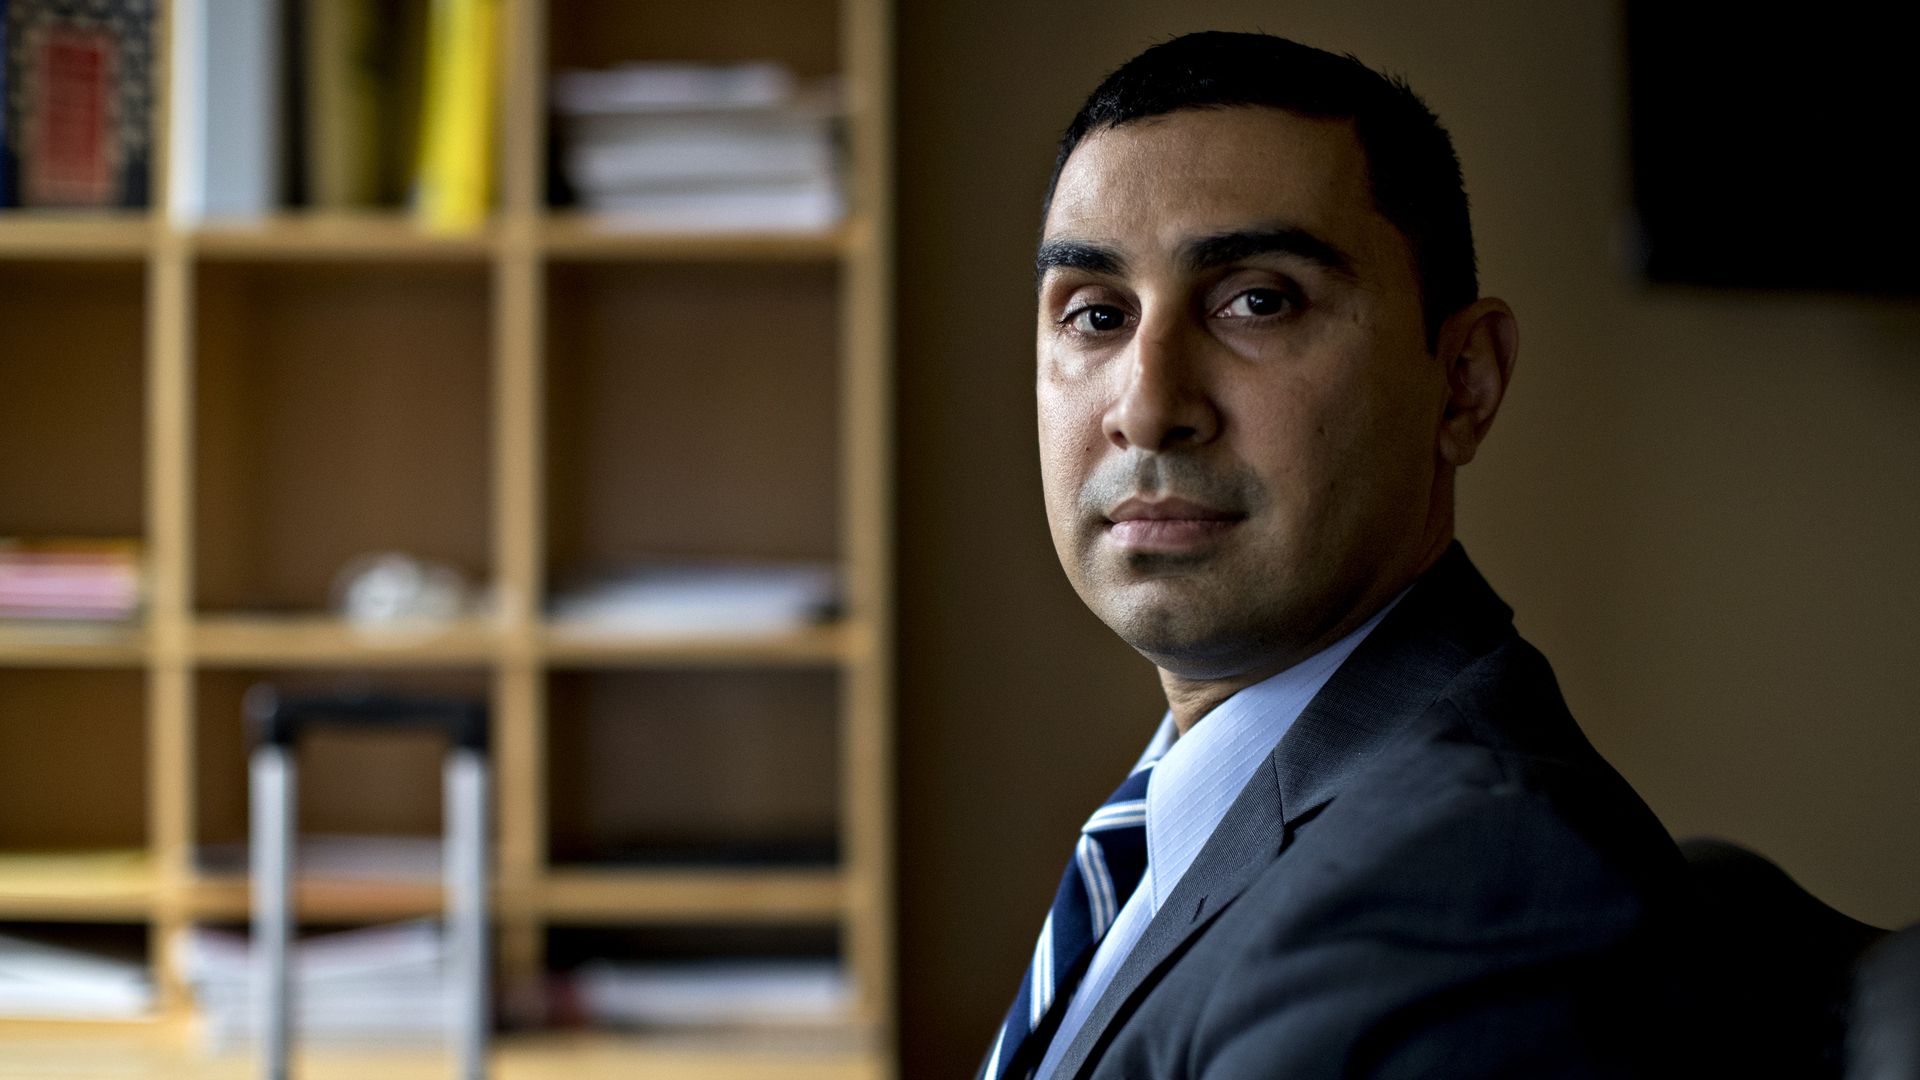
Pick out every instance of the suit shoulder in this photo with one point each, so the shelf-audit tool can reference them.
(1495, 787)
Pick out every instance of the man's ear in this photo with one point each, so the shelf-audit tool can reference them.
(1477, 346)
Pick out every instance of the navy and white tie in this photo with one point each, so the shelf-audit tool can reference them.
(1108, 861)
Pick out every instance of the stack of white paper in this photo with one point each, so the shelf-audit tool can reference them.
(340, 857)
(70, 580)
(700, 147)
(42, 981)
(703, 598)
(719, 993)
(373, 985)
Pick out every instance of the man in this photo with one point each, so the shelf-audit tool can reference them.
(1368, 839)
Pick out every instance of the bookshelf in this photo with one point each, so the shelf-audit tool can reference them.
(260, 401)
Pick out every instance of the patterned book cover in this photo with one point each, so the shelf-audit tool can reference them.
(78, 88)
(6, 158)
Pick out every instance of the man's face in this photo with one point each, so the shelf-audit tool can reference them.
(1238, 409)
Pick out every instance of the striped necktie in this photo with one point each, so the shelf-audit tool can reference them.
(1108, 862)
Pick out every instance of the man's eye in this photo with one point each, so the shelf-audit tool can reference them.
(1255, 303)
(1096, 319)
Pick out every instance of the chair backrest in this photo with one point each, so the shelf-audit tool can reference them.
(1781, 963)
(1883, 1032)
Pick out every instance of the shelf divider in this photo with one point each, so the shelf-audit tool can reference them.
(519, 499)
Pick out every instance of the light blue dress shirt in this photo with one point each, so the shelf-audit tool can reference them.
(1198, 777)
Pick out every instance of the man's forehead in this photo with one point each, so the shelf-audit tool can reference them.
(1162, 181)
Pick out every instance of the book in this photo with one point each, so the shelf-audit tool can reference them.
(6, 156)
(227, 74)
(453, 187)
(77, 102)
(345, 76)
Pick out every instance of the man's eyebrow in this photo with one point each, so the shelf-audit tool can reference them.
(1077, 255)
(1220, 249)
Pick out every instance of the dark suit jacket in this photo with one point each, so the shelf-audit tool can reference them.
(1434, 874)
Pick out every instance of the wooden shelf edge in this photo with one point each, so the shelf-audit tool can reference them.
(394, 236)
(319, 900)
(575, 647)
(15, 1030)
(81, 886)
(602, 896)
(76, 907)
(575, 236)
(829, 1054)
(577, 896)
(75, 236)
(27, 645)
(325, 641)
(373, 235)
(316, 640)
(161, 1046)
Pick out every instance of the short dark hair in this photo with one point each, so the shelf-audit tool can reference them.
(1412, 170)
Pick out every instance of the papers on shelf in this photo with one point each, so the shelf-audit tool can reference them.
(795, 207)
(703, 599)
(701, 147)
(341, 857)
(718, 993)
(656, 87)
(43, 981)
(86, 581)
(614, 154)
(377, 984)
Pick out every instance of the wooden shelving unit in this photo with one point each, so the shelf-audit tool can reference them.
(261, 401)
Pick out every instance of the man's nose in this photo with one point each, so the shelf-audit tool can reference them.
(1165, 402)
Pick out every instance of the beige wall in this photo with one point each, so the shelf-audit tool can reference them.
(1705, 507)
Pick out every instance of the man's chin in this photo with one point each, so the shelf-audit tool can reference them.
(1188, 639)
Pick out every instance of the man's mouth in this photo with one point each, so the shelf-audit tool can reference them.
(1170, 524)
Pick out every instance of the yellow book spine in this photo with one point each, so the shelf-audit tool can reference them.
(454, 187)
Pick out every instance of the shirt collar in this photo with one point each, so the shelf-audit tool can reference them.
(1199, 774)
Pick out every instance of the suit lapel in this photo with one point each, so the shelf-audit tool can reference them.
(1447, 619)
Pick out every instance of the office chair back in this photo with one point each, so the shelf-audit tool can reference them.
(1883, 1033)
(1781, 964)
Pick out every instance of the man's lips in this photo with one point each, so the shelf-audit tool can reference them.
(1169, 524)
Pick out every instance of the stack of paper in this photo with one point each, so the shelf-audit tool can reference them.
(42, 981)
(340, 857)
(374, 985)
(698, 147)
(703, 598)
(719, 993)
(70, 580)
